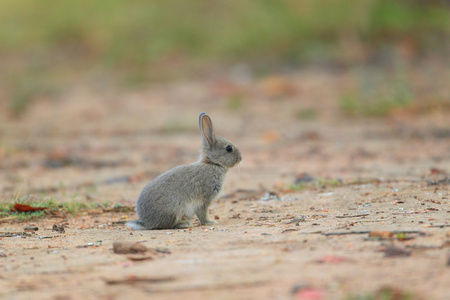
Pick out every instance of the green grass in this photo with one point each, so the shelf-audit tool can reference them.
(48, 45)
(177, 126)
(322, 183)
(7, 206)
(72, 207)
(235, 102)
(297, 187)
(325, 183)
(306, 114)
(386, 293)
(378, 93)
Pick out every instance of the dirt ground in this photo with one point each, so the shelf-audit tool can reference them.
(373, 220)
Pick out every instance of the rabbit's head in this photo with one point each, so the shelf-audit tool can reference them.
(217, 150)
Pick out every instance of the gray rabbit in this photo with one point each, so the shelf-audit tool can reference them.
(173, 198)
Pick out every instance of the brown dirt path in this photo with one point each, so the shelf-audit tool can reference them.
(270, 242)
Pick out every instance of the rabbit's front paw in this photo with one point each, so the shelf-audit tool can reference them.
(209, 221)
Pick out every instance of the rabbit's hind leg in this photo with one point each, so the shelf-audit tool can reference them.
(184, 223)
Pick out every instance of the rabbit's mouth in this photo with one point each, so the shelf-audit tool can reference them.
(237, 162)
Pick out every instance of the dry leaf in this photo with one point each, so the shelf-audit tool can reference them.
(26, 208)
(381, 234)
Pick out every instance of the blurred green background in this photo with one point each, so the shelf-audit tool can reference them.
(46, 46)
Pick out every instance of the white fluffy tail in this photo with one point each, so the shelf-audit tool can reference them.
(135, 225)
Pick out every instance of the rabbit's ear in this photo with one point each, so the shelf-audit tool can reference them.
(207, 129)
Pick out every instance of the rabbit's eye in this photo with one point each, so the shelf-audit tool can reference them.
(229, 148)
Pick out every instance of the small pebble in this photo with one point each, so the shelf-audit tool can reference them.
(30, 228)
(58, 228)
(128, 247)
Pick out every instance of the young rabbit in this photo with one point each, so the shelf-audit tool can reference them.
(173, 198)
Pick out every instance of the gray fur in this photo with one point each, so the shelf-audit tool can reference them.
(173, 198)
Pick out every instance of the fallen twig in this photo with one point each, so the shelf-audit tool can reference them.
(438, 226)
(115, 223)
(10, 234)
(369, 231)
(135, 279)
(203, 287)
(344, 232)
(352, 216)
(48, 237)
(9, 218)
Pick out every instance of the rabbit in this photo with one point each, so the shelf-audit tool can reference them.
(173, 198)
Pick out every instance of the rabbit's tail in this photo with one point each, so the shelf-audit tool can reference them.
(136, 225)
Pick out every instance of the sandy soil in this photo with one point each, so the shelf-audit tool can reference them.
(374, 220)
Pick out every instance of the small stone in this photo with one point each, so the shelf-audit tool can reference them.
(394, 251)
(128, 247)
(58, 228)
